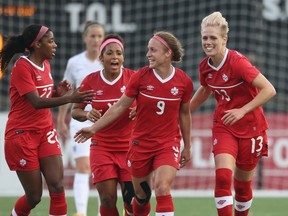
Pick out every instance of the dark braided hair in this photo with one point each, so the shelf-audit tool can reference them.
(18, 44)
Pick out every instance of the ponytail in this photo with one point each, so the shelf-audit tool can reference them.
(18, 44)
(14, 44)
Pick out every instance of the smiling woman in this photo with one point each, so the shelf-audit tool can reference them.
(110, 145)
(31, 145)
(163, 93)
(239, 124)
(32, 39)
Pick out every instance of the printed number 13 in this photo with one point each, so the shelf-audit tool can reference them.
(224, 94)
(253, 142)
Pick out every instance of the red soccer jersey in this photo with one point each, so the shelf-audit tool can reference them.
(27, 77)
(232, 88)
(158, 103)
(115, 136)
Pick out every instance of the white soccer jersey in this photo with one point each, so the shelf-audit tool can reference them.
(78, 67)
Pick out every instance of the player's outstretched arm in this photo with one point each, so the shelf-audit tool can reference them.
(83, 134)
(110, 115)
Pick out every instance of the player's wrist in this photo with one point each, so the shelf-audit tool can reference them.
(55, 93)
(87, 115)
(245, 110)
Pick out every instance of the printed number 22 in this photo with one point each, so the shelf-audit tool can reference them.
(52, 136)
(46, 92)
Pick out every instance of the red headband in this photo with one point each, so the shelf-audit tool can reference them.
(111, 40)
(163, 42)
(40, 34)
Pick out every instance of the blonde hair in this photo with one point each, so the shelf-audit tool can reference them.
(89, 23)
(216, 19)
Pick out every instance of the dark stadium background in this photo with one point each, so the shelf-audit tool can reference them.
(250, 32)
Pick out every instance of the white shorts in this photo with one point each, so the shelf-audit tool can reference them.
(79, 149)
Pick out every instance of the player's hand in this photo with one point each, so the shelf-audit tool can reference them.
(83, 135)
(82, 96)
(185, 157)
(93, 115)
(232, 116)
(132, 113)
(63, 87)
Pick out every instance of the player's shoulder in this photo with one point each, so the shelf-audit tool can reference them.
(22, 60)
(204, 62)
(93, 75)
(181, 73)
(236, 60)
(21, 65)
(128, 70)
(235, 56)
(144, 70)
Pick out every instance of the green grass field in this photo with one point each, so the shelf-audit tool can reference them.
(183, 206)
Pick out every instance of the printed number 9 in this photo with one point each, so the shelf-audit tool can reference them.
(161, 106)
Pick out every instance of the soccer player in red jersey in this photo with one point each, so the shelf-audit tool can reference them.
(78, 67)
(31, 146)
(110, 145)
(239, 125)
(163, 94)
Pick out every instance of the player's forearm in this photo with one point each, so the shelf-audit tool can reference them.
(62, 113)
(185, 127)
(109, 116)
(41, 103)
(79, 114)
(200, 96)
(263, 97)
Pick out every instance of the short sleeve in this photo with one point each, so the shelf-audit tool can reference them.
(21, 78)
(132, 88)
(247, 71)
(188, 91)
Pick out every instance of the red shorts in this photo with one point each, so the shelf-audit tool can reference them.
(246, 151)
(23, 149)
(107, 165)
(142, 164)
